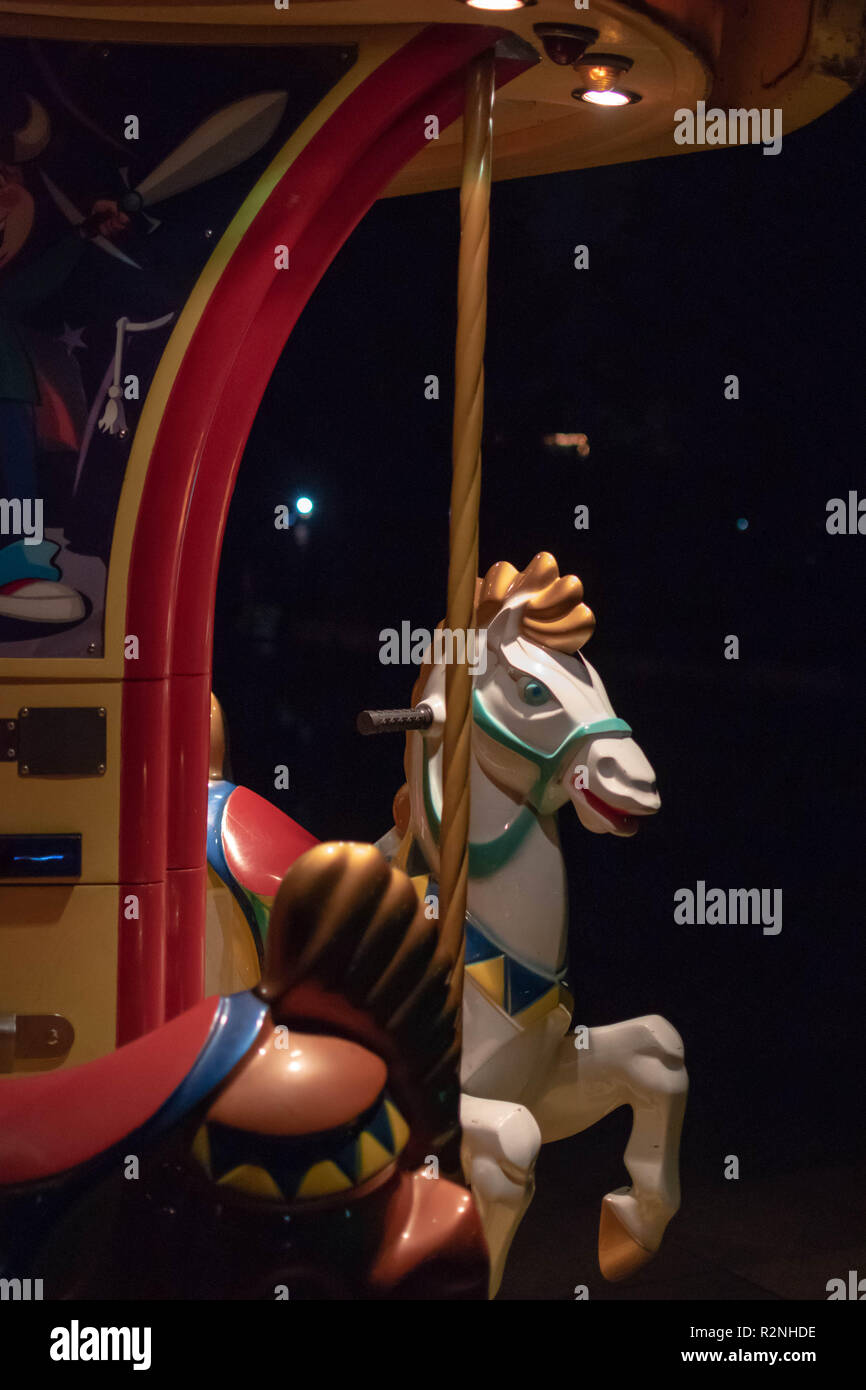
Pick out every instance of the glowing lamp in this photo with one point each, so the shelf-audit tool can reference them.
(498, 4)
(304, 506)
(602, 73)
(611, 98)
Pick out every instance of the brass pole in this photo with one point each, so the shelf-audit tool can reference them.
(465, 499)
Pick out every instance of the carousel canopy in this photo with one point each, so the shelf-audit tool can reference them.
(607, 95)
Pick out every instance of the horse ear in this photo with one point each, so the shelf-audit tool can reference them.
(506, 625)
(492, 590)
(504, 594)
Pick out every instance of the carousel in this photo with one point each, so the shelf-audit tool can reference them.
(269, 1066)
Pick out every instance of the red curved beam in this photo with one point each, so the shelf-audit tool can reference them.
(224, 375)
(329, 158)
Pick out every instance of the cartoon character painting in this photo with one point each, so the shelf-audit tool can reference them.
(84, 286)
(34, 408)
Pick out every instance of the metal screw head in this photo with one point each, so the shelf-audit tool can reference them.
(10, 753)
(101, 769)
(23, 713)
(101, 712)
(10, 723)
(24, 769)
(91, 649)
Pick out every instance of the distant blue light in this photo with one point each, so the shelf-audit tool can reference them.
(304, 506)
(742, 524)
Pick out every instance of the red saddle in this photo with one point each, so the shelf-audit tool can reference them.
(259, 842)
(55, 1121)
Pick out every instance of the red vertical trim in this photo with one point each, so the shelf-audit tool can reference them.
(186, 890)
(186, 903)
(144, 736)
(142, 855)
(189, 747)
(140, 960)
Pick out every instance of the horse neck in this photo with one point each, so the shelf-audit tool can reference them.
(519, 896)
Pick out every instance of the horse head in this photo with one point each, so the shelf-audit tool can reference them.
(545, 726)
(544, 729)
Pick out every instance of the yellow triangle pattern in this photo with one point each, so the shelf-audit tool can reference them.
(538, 1008)
(323, 1179)
(252, 1179)
(419, 883)
(372, 1157)
(489, 975)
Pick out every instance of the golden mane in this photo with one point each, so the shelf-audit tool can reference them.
(554, 614)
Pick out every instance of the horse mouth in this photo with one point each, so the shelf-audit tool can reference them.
(620, 821)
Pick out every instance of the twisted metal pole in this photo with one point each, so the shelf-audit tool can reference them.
(465, 500)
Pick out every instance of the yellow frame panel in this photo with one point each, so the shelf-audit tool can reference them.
(58, 955)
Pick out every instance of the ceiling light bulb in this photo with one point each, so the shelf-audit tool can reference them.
(606, 98)
(498, 4)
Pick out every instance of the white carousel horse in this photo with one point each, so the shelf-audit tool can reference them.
(544, 734)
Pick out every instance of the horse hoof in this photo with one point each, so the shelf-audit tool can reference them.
(619, 1254)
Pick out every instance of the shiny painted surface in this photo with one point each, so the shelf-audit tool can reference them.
(331, 1080)
(54, 1122)
(245, 1122)
(260, 842)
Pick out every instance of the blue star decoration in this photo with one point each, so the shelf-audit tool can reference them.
(72, 338)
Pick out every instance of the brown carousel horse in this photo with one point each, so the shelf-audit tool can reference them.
(281, 1143)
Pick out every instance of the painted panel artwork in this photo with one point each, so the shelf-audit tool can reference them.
(118, 176)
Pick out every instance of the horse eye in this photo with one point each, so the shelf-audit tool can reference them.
(533, 692)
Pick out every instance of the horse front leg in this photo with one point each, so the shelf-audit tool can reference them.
(500, 1145)
(638, 1063)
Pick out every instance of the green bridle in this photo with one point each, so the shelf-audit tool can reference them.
(487, 857)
